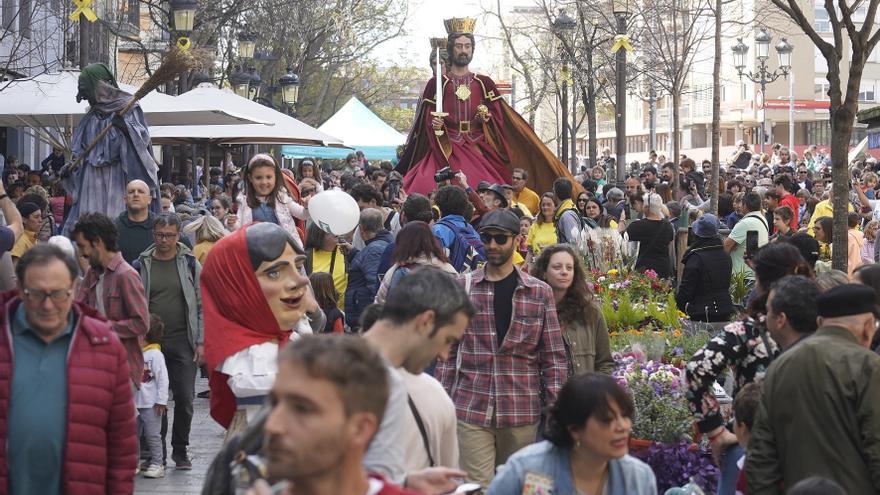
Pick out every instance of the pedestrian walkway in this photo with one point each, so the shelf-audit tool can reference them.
(205, 441)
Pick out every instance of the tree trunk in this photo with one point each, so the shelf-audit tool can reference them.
(716, 114)
(590, 107)
(676, 142)
(841, 130)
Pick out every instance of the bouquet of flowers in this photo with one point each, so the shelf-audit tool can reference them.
(678, 463)
(605, 249)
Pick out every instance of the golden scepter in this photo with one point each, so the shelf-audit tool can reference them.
(177, 61)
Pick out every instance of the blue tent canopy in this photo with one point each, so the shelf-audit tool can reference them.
(359, 128)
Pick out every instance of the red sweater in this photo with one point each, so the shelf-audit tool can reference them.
(100, 453)
(792, 202)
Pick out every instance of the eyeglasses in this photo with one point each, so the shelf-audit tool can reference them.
(163, 236)
(516, 178)
(582, 200)
(38, 296)
(307, 192)
(499, 239)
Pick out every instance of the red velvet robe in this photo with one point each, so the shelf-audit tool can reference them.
(482, 150)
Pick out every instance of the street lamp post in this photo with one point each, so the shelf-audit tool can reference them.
(621, 12)
(289, 89)
(762, 75)
(563, 26)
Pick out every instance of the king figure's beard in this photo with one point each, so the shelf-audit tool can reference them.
(461, 60)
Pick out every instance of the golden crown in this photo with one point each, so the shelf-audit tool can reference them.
(439, 43)
(460, 25)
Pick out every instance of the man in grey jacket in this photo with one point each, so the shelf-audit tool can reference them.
(170, 274)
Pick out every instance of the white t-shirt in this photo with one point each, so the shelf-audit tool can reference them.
(438, 415)
(386, 453)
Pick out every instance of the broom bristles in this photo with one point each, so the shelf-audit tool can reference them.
(176, 62)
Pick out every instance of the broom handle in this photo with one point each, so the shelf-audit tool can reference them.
(99, 137)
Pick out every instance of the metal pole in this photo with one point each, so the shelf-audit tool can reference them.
(791, 112)
(763, 112)
(564, 105)
(574, 142)
(652, 119)
(620, 124)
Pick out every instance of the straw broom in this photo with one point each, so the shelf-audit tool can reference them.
(176, 62)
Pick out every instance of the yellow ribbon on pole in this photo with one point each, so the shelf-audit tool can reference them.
(83, 7)
(183, 43)
(621, 41)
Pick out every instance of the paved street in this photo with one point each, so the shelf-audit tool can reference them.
(204, 442)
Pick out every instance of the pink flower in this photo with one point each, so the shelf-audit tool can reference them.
(650, 273)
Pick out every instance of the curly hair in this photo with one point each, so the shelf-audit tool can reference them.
(578, 305)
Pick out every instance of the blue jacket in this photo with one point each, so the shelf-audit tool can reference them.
(626, 476)
(363, 278)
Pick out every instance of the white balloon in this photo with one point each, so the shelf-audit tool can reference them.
(335, 212)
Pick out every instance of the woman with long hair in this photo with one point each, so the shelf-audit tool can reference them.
(306, 169)
(324, 253)
(586, 446)
(745, 346)
(543, 231)
(415, 246)
(208, 230)
(654, 234)
(583, 327)
(581, 203)
(265, 199)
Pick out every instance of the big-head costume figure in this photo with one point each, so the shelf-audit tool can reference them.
(255, 297)
(123, 155)
(482, 135)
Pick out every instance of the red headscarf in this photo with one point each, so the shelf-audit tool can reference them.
(237, 315)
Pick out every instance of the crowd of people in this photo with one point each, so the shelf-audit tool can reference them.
(463, 341)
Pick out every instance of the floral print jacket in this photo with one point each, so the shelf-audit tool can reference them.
(742, 346)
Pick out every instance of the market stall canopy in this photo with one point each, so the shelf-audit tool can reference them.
(359, 128)
(49, 101)
(286, 129)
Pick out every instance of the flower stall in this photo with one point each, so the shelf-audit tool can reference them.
(651, 342)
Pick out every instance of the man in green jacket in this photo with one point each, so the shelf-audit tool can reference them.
(820, 410)
(170, 274)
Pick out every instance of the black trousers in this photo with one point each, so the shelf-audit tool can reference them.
(181, 382)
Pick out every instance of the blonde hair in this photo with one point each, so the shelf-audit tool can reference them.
(654, 203)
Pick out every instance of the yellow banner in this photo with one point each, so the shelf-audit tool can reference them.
(621, 41)
(83, 7)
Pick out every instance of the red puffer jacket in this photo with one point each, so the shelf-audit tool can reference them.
(100, 454)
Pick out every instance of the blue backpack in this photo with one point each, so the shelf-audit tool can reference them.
(466, 252)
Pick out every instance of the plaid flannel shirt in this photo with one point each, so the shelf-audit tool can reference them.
(506, 386)
(125, 304)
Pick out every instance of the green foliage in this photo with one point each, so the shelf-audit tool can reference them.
(739, 289)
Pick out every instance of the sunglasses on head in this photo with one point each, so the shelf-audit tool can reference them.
(499, 239)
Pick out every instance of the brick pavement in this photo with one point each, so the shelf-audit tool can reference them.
(205, 441)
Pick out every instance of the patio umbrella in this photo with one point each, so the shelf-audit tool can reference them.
(287, 130)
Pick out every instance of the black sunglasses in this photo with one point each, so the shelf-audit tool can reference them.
(499, 239)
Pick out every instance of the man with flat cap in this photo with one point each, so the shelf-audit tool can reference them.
(820, 410)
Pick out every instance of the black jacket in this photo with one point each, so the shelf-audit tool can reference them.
(704, 291)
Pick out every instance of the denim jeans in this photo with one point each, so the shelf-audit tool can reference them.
(729, 470)
(149, 425)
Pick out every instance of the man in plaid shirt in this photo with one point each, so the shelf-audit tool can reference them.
(113, 287)
(511, 361)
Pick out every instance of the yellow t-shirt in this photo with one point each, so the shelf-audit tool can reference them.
(540, 236)
(529, 198)
(200, 251)
(321, 263)
(26, 241)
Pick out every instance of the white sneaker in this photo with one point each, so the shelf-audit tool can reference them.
(155, 471)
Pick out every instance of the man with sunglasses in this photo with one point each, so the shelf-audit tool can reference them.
(511, 362)
(66, 395)
(170, 274)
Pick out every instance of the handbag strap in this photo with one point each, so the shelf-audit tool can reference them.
(422, 430)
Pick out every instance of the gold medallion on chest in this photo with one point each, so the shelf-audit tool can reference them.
(463, 92)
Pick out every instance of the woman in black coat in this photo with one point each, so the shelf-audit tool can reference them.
(704, 291)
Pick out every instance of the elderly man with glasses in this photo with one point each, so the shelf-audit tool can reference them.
(66, 396)
(522, 194)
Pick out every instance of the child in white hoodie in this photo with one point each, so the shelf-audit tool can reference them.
(151, 399)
